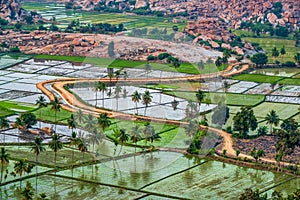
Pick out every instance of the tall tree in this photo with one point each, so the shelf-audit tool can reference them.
(136, 97)
(104, 121)
(3, 125)
(71, 123)
(282, 51)
(297, 58)
(272, 119)
(82, 146)
(118, 89)
(56, 106)
(37, 148)
(259, 59)
(95, 137)
(147, 99)
(275, 52)
(4, 158)
(41, 102)
(123, 137)
(200, 95)
(79, 117)
(73, 143)
(135, 135)
(55, 144)
(102, 88)
(20, 167)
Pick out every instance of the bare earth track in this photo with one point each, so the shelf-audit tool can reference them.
(73, 104)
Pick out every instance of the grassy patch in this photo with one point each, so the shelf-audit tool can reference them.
(283, 110)
(49, 115)
(290, 81)
(228, 98)
(18, 107)
(5, 112)
(260, 78)
(269, 43)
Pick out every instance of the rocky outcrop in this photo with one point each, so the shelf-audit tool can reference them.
(91, 45)
(11, 10)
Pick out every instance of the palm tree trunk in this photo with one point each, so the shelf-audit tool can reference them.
(120, 150)
(271, 131)
(145, 110)
(40, 119)
(36, 173)
(96, 99)
(55, 161)
(117, 104)
(137, 112)
(1, 172)
(72, 156)
(55, 121)
(103, 99)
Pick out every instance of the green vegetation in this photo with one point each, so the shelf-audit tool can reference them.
(17, 107)
(260, 78)
(227, 98)
(49, 115)
(269, 43)
(290, 81)
(120, 64)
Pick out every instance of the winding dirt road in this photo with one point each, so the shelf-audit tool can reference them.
(73, 104)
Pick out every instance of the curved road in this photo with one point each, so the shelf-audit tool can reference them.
(73, 104)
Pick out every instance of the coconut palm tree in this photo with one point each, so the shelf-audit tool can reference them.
(56, 106)
(149, 132)
(71, 123)
(41, 102)
(96, 88)
(55, 144)
(82, 146)
(136, 97)
(118, 89)
(102, 88)
(122, 138)
(37, 148)
(147, 99)
(95, 137)
(200, 95)
(104, 121)
(73, 142)
(3, 125)
(110, 76)
(272, 119)
(79, 117)
(135, 135)
(20, 167)
(4, 160)
(89, 122)
(19, 124)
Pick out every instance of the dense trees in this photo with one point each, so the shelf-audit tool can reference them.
(243, 121)
(259, 59)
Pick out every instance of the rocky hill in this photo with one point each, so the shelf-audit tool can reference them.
(232, 11)
(12, 11)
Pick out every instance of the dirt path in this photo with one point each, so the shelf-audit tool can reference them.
(73, 104)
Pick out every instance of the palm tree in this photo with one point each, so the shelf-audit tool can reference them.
(149, 132)
(82, 146)
(96, 88)
(102, 88)
(20, 167)
(4, 160)
(56, 106)
(3, 125)
(95, 137)
(135, 136)
(89, 122)
(104, 121)
(41, 102)
(110, 76)
(147, 99)
(272, 119)
(136, 97)
(73, 142)
(71, 123)
(118, 89)
(200, 95)
(79, 117)
(122, 138)
(19, 124)
(55, 145)
(37, 148)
